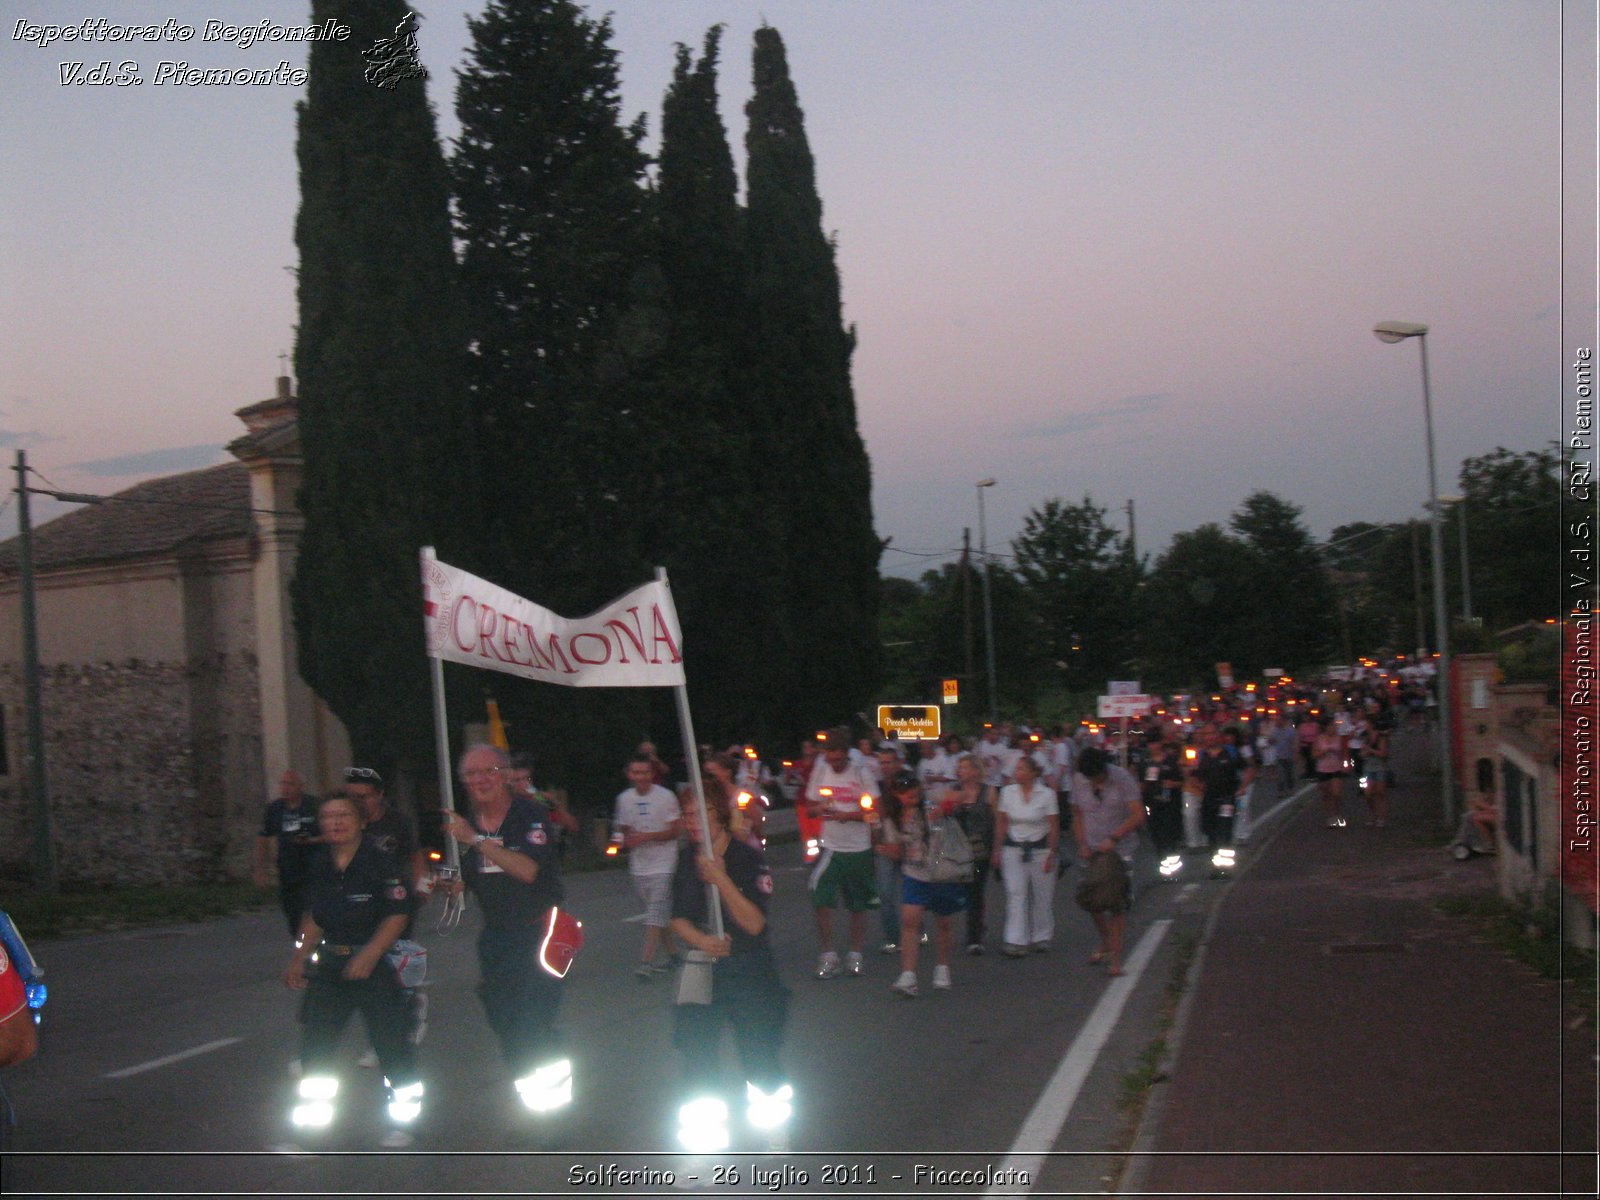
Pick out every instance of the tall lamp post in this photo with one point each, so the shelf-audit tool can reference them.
(988, 603)
(1392, 332)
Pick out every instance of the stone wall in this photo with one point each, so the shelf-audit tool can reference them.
(154, 771)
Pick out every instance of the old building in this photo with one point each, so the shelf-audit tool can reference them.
(171, 697)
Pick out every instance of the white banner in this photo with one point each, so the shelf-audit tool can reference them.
(632, 642)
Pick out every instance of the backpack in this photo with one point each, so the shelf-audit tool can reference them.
(949, 853)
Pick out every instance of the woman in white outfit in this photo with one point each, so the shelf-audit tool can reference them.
(1026, 836)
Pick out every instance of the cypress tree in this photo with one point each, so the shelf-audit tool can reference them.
(379, 353)
(713, 526)
(804, 414)
(563, 307)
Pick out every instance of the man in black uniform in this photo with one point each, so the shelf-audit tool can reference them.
(1162, 782)
(510, 863)
(290, 822)
(392, 832)
(1220, 784)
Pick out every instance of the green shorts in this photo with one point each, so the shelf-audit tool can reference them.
(844, 876)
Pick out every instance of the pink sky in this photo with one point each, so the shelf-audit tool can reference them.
(1129, 249)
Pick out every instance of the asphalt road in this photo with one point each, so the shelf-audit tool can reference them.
(165, 1053)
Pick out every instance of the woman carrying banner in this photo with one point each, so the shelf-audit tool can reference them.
(510, 863)
(746, 994)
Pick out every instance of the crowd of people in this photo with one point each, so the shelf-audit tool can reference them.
(896, 833)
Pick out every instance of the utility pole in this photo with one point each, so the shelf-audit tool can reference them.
(1133, 538)
(966, 591)
(1416, 585)
(38, 781)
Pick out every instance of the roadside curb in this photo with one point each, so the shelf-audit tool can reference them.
(1137, 1158)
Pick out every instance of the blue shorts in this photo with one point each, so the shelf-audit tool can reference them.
(941, 899)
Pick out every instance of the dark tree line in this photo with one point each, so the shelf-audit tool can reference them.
(1073, 609)
(565, 368)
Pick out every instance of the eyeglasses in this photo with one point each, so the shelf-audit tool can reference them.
(479, 772)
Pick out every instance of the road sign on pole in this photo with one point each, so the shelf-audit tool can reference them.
(1126, 706)
(952, 691)
(910, 722)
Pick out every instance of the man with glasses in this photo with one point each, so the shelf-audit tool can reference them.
(509, 862)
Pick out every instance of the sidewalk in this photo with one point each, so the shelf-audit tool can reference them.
(1345, 1036)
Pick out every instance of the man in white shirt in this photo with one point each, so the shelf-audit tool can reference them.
(844, 797)
(648, 817)
(997, 757)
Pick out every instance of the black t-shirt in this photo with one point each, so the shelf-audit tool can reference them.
(747, 868)
(349, 905)
(1161, 779)
(394, 834)
(293, 828)
(1219, 775)
(507, 904)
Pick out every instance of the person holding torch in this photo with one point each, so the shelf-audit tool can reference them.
(842, 795)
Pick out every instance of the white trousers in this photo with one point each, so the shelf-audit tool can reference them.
(1192, 837)
(1241, 814)
(1030, 894)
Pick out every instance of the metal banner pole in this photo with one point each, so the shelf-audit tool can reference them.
(454, 905)
(691, 758)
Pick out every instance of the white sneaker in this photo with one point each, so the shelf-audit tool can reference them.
(828, 966)
(906, 985)
(941, 979)
(852, 963)
(368, 1060)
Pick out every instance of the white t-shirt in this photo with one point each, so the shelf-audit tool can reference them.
(937, 771)
(1029, 818)
(649, 812)
(1063, 756)
(846, 787)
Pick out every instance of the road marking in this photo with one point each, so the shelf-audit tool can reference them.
(172, 1058)
(1290, 798)
(1043, 1126)
(1187, 890)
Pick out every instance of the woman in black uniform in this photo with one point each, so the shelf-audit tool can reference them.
(357, 905)
(746, 993)
(510, 862)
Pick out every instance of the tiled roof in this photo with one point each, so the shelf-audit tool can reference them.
(195, 507)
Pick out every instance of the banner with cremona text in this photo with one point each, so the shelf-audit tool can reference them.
(632, 642)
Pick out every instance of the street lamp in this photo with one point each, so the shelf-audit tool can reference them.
(988, 603)
(1392, 332)
(1460, 503)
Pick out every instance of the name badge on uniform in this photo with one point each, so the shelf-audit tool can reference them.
(485, 867)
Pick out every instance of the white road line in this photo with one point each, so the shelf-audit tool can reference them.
(1043, 1126)
(172, 1058)
(1187, 890)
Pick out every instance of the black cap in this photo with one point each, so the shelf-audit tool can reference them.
(902, 780)
(363, 775)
